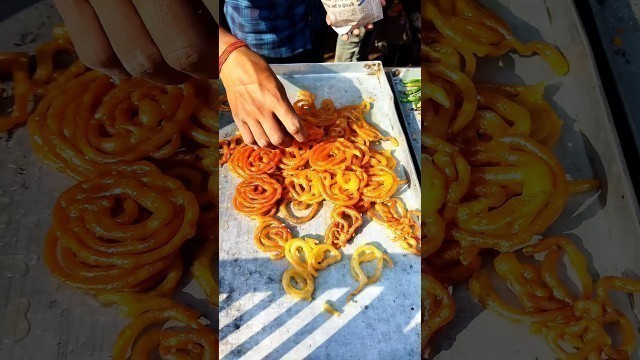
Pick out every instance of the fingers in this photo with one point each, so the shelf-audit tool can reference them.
(91, 42)
(290, 120)
(245, 131)
(184, 34)
(276, 132)
(356, 32)
(132, 42)
(259, 134)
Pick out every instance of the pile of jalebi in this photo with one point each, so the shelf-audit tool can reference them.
(492, 184)
(338, 164)
(146, 160)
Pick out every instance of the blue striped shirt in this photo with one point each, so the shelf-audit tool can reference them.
(274, 28)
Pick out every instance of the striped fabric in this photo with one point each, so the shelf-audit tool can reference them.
(275, 28)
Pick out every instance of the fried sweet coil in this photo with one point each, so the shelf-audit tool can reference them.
(271, 236)
(296, 156)
(404, 224)
(304, 186)
(342, 186)
(433, 197)
(309, 255)
(361, 130)
(306, 108)
(447, 267)
(345, 222)
(382, 183)
(17, 65)
(438, 307)
(512, 201)
(337, 154)
(312, 209)
(362, 254)
(202, 271)
(47, 76)
(161, 328)
(466, 24)
(228, 147)
(189, 169)
(453, 118)
(298, 283)
(91, 121)
(249, 161)
(121, 230)
(257, 196)
(578, 322)
(202, 126)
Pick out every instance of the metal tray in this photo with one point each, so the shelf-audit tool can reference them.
(257, 319)
(618, 24)
(606, 225)
(411, 117)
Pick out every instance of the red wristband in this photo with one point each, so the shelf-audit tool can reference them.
(227, 52)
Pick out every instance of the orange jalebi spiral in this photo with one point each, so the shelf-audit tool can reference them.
(186, 167)
(312, 209)
(305, 106)
(345, 222)
(202, 125)
(337, 154)
(404, 224)
(121, 230)
(257, 196)
(271, 236)
(16, 65)
(296, 156)
(48, 76)
(91, 121)
(248, 161)
(161, 328)
(228, 147)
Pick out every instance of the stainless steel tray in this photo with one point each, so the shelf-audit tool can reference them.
(606, 225)
(257, 319)
(411, 117)
(618, 23)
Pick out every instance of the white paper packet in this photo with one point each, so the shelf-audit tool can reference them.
(352, 14)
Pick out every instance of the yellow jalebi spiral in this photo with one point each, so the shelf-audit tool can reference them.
(362, 254)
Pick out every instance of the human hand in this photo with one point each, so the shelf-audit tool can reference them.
(164, 41)
(355, 31)
(258, 101)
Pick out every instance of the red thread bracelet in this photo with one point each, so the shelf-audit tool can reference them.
(227, 52)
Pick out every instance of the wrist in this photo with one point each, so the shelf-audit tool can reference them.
(228, 50)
